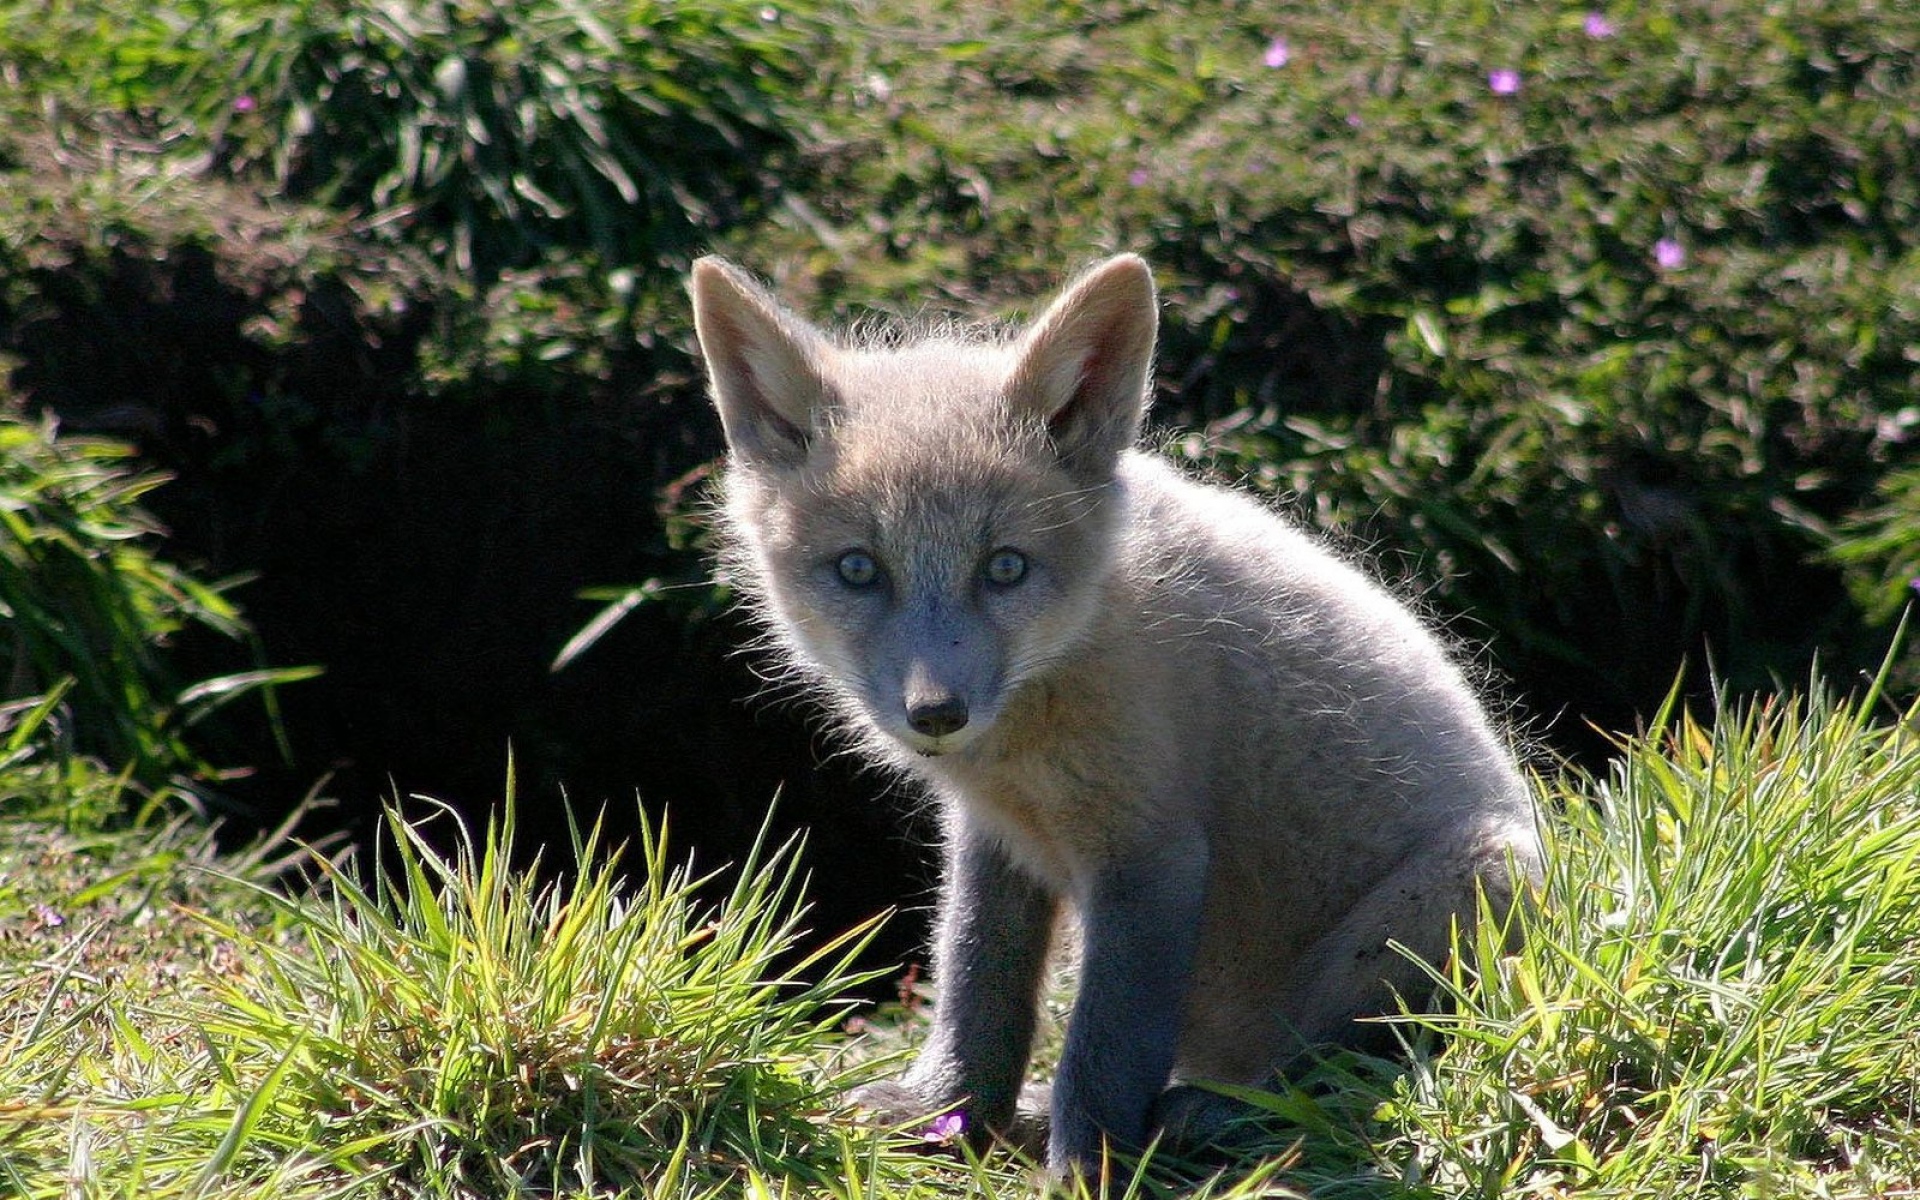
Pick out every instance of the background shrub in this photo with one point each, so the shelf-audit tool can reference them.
(488, 131)
(90, 609)
(1597, 325)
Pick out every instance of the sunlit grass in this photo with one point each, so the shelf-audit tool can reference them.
(477, 1031)
(1721, 987)
(1718, 995)
(455, 1029)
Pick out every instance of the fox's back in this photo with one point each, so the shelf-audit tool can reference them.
(1296, 699)
(1325, 670)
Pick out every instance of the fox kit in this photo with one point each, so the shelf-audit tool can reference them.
(1243, 766)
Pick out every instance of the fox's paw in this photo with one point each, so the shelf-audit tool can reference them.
(896, 1103)
(1193, 1118)
(892, 1102)
(1032, 1122)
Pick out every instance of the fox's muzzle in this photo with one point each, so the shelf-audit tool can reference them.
(934, 700)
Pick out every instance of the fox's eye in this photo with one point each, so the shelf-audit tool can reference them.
(1006, 567)
(857, 568)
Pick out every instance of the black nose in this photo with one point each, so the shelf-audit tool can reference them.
(938, 718)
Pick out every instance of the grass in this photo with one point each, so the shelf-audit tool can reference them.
(1719, 993)
(1718, 996)
(91, 606)
(457, 1029)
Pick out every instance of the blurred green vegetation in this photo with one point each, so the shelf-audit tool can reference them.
(489, 131)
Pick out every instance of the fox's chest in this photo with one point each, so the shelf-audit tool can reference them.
(1087, 767)
(1062, 815)
(1041, 824)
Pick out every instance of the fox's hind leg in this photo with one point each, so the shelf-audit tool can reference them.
(1352, 972)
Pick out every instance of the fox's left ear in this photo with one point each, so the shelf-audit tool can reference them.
(1085, 363)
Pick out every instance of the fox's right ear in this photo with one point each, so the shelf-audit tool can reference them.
(766, 366)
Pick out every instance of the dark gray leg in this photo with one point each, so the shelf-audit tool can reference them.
(1142, 927)
(990, 950)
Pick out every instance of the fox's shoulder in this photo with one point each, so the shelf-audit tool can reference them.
(1171, 509)
(1220, 548)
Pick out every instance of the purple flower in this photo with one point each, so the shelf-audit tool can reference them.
(1669, 254)
(1138, 177)
(1505, 81)
(1914, 583)
(1598, 26)
(945, 1128)
(243, 103)
(1278, 54)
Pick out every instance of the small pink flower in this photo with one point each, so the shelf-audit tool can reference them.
(244, 103)
(1505, 81)
(1278, 54)
(1669, 255)
(947, 1127)
(1138, 177)
(1598, 27)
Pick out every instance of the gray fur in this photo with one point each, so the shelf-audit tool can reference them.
(1244, 766)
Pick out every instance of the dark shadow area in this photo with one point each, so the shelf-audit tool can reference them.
(426, 544)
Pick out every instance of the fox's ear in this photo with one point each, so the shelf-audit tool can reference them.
(1084, 364)
(766, 366)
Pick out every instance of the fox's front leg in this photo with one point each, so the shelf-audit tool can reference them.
(990, 949)
(1141, 931)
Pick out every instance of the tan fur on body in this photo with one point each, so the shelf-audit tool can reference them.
(1244, 765)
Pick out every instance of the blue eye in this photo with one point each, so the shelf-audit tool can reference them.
(1006, 567)
(857, 569)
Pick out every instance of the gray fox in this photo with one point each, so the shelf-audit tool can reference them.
(1244, 766)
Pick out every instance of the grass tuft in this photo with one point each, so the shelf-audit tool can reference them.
(1717, 988)
(454, 1028)
(459, 1026)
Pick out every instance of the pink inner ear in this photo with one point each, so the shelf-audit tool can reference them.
(1102, 363)
(1087, 379)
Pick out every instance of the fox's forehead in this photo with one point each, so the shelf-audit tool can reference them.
(980, 477)
(936, 378)
(923, 410)
(920, 445)
(899, 474)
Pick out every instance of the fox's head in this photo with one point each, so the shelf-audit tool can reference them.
(926, 524)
